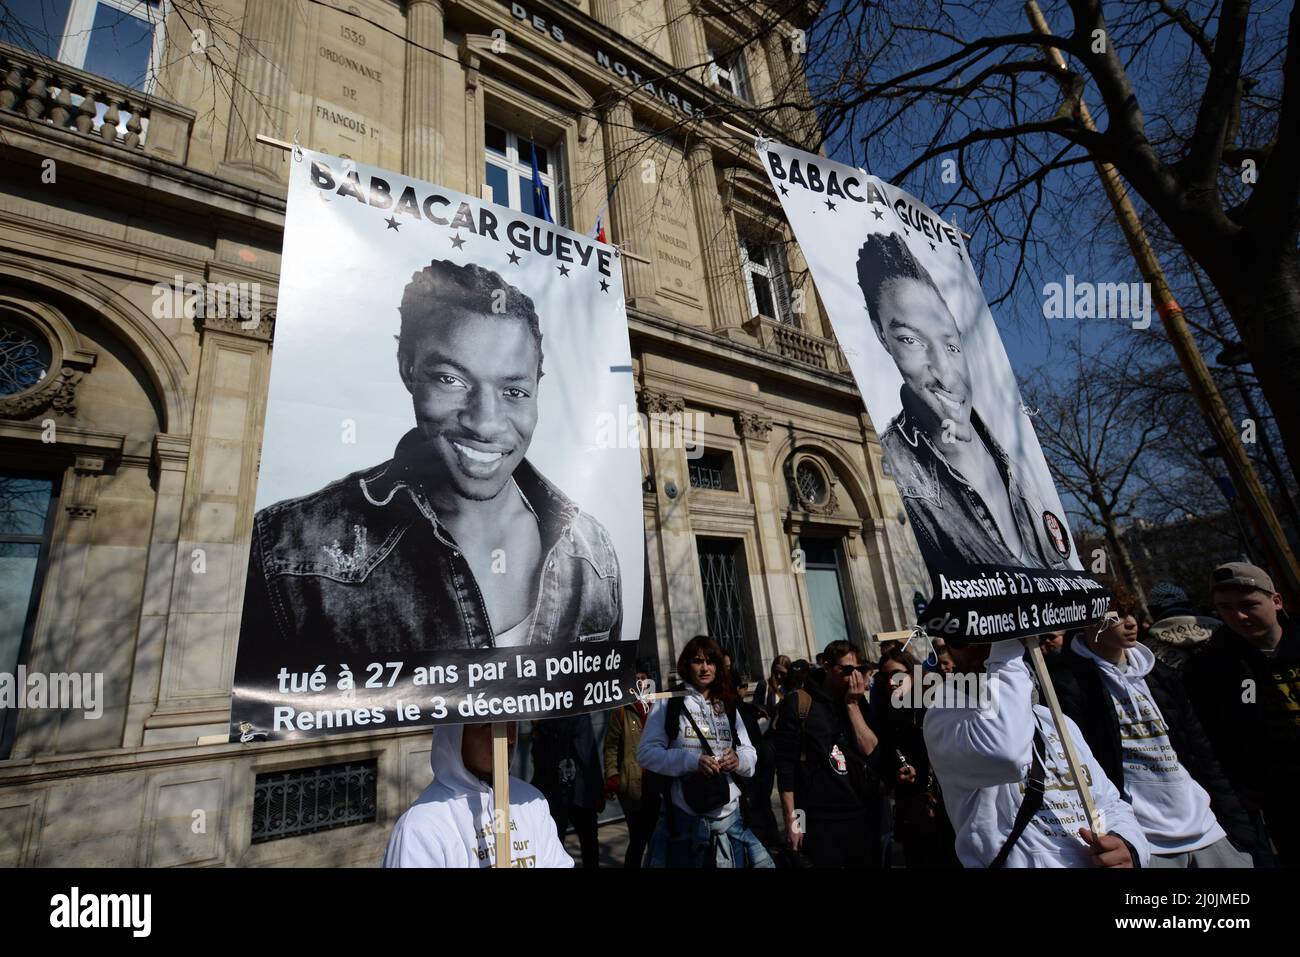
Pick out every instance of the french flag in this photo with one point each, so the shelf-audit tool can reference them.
(598, 233)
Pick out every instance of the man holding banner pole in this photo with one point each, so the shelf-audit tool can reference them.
(459, 820)
(1019, 783)
(1012, 793)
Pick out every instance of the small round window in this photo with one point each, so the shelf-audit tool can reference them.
(25, 356)
(811, 482)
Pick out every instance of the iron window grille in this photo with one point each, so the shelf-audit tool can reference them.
(25, 357)
(706, 475)
(308, 800)
(724, 602)
(812, 484)
(712, 471)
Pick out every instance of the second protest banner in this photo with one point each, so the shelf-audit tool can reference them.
(441, 534)
(907, 309)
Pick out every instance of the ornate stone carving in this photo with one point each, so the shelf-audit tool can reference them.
(57, 392)
(752, 425)
(263, 330)
(660, 403)
(82, 499)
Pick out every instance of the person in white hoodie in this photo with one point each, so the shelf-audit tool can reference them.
(692, 748)
(988, 755)
(450, 823)
(1142, 729)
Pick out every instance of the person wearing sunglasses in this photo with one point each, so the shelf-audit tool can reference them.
(1141, 727)
(769, 697)
(825, 765)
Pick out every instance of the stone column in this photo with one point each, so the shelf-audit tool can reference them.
(210, 556)
(606, 11)
(171, 455)
(631, 203)
(474, 121)
(721, 257)
(683, 588)
(422, 114)
(787, 630)
(686, 37)
(783, 86)
(261, 95)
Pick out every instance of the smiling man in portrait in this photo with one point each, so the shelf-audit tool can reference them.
(457, 541)
(962, 491)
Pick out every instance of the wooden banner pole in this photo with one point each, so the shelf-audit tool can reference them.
(1259, 507)
(501, 791)
(1077, 769)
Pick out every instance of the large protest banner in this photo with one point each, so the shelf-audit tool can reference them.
(448, 528)
(909, 314)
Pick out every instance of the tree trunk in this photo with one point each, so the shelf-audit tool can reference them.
(1126, 569)
(1263, 298)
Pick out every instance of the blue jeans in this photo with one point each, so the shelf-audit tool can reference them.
(692, 841)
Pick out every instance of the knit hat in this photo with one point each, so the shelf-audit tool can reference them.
(1165, 599)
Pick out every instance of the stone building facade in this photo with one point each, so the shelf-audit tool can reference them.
(130, 425)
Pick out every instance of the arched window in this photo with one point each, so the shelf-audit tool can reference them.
(25, 355)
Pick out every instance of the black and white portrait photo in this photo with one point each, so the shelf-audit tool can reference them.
(963, 492)
(910, 316)
(440, 533)
(400, 556)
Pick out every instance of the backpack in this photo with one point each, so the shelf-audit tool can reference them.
(803, 704)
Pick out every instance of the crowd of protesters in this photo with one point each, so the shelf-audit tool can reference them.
(1185, 726)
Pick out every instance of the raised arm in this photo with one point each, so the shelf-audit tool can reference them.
(978, 747)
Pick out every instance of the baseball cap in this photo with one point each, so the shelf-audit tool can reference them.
(1241, 575)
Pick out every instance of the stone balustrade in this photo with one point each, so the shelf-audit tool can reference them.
(66, 98)
(791, 342)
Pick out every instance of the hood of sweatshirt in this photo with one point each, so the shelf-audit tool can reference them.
(451, 822)
(1140, 661)
(448, 766)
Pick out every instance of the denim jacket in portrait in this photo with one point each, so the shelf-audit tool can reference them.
(952, 523)
(364, 565)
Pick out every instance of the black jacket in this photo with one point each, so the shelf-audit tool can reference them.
(1084, 698)
(1256, 735)
(809, 764)
(364, 566)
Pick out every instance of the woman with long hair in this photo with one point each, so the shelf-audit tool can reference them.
(769, 698)
(697, 746)
(920, 822)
